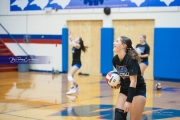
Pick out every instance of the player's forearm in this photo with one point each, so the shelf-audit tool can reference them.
(132, 88)
(133, 80)
(71, 42)
(70, 39)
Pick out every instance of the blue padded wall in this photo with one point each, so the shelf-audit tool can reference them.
(65, 50)
(107, 38)
(167, 54)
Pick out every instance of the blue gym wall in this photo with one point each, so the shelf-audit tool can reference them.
(64, 50)
(167, 54)
(107, 38)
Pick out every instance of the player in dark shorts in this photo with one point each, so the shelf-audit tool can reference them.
(132, 96)
(78, 45)
(143, 51)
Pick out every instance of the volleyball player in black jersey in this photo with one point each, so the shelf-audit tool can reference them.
(78, 45)
(132, 96)
(144, 51)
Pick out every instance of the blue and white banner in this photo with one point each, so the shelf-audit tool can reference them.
(24, 5)
(25, 60)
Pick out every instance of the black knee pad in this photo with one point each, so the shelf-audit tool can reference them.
(119, 114)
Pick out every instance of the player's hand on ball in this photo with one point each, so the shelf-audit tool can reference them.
(115, 87)
(113, 79)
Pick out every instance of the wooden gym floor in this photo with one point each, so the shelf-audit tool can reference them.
(41, 96)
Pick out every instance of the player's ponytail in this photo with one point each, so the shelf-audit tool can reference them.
(130, 50)
(83, 48)
(134, 55)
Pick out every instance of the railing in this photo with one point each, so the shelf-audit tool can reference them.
(14, 39)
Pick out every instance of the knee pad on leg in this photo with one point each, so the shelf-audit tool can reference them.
(119, 114)
(70, 78)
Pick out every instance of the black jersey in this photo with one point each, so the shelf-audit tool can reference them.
(126, 68)
(145, 49)
(76, 55)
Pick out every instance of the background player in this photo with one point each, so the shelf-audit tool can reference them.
(78, 45)
(144, 51)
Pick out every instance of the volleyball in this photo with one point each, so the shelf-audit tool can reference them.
(138, 50)
(158, 86)
(113, 79)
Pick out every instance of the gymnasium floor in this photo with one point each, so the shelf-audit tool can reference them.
(41, 96)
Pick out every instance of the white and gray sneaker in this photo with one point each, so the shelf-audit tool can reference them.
(73, 90)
